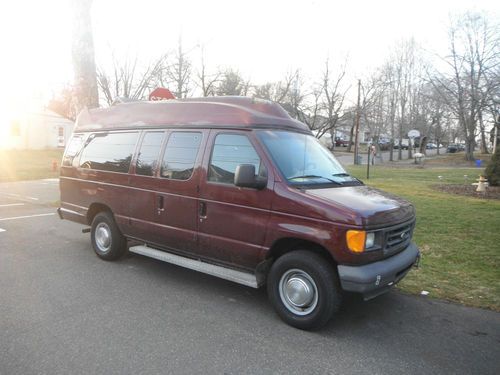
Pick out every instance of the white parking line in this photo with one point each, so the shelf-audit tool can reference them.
(26, 217)
(18, 197)
(21, 196)
(11, 204)
(2, 230)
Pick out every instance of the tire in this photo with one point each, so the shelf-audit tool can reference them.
(304, 289)
(107, 240)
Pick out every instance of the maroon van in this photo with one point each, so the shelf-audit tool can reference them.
(234, 187)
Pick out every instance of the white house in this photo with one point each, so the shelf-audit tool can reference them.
(37, 130)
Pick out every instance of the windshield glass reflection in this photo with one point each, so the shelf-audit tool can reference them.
(303, 160)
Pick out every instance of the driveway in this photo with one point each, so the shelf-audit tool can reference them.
(64, 311)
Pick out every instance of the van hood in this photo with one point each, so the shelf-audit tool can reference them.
(375, 208)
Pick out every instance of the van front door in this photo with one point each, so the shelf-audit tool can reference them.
(232, 221)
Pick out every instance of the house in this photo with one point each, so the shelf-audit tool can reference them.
(37, 130)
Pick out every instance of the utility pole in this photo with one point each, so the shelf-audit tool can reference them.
(356, 132)
(497, 125)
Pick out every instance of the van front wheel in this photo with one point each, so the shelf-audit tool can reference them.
(107, 240)
(304, 289)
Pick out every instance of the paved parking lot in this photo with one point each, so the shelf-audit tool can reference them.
(64, 311)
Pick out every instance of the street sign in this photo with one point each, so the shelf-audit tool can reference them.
(413, 134)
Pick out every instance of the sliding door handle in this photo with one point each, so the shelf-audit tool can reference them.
(160, 207)
(203, 210)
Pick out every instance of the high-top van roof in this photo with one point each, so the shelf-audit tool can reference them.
(212, 112)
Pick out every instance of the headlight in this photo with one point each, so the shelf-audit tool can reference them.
(360, 240)
(370, 240)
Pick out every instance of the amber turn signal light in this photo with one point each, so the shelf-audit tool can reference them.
(356, 240)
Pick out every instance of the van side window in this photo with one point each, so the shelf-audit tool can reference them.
(149, 153)
(74, 147)
(109, 151)
(180, 155)
(230, 150)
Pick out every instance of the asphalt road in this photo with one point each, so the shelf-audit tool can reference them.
(64, 311)
(382, 157)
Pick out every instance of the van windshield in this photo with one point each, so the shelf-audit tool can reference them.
(303, 160)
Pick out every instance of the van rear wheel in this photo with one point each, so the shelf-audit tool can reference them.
(107, 240)
(304, 290)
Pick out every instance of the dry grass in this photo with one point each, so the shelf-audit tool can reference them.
(16, 165)
(458, 235)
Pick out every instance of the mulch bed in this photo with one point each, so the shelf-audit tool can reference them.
(492, 192)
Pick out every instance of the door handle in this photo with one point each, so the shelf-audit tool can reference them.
(203, 210)
(160, 204)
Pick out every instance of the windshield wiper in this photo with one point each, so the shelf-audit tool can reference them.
(314, 176)
(348, 175)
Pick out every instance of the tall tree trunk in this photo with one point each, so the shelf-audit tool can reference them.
(83, 56)
(400, 148)
(349, 148)
(484, 147)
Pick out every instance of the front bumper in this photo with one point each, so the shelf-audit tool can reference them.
(376, 278)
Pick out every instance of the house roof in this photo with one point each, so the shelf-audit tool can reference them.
(224, 111)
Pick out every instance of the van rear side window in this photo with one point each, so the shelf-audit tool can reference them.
(149, 153)
(109, 151)
(180, 155)
(74, 146)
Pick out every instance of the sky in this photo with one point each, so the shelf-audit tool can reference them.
(261, 39)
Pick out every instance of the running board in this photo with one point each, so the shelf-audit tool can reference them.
(244, 278)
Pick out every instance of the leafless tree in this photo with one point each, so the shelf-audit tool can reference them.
(333, 99)
(127, 80)
(207, 81)
(64, 103)
(177, 72)
(473, 53)
(280, 91)
(232, 83)
(322, 107)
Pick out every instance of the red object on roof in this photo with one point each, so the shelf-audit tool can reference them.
(223, 111)
(161, 93)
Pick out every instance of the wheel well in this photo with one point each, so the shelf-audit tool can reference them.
(285, 245)
(94, 209)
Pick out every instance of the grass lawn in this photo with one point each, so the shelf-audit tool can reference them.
(459, 237)
(16, 165)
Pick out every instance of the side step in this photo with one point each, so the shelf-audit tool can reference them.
(244, 278)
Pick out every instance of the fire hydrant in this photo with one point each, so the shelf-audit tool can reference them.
(481, 185)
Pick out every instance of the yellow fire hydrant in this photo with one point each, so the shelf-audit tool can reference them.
(482, 182)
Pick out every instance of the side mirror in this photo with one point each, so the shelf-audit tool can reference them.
(244, 176)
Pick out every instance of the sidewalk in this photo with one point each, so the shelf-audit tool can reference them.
(346, 158)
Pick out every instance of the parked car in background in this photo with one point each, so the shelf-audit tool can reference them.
(384, 144)
(431, 146)
(404, 144)
(452, 148)
(339, 142)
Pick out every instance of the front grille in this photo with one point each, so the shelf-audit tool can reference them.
(398, 237)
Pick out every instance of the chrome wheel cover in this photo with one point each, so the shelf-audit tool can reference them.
(103, 237)
(298, 292)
